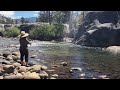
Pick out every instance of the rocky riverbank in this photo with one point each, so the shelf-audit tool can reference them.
(47, 60)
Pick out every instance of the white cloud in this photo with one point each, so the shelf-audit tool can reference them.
(36, 13)
(10, 14)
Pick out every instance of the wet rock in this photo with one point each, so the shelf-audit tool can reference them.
(82, 75)
(64, 63)
(35, 68)
(102, 76)
(21, 69)
(43, 68)
(33, 56)
(9, 57)
(43, 75)
(76, 68)
(6, 54)
(82, 78)
(50, 70)
(8, 68)
(94, 78)
(55, 66)
(52, 78)
(71, 71)
(1, 77)
(33, 75)
(54, 75)
(16, 64)
(16, 53)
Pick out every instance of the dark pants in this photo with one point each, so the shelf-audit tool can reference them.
(24, 52)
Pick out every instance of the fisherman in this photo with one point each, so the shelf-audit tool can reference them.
(24, 48)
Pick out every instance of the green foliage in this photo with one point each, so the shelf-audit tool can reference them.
(13, 32)
(22, 20)
(47, 32)
(58, 17)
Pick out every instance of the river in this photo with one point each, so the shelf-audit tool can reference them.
(94, 62)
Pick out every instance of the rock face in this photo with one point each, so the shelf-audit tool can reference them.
(99, 29)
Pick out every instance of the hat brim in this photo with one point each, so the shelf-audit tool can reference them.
(26, 34)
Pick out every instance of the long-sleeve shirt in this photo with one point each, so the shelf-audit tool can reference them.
(23, 43)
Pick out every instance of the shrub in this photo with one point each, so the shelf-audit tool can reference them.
(47, 32)
(13, 32)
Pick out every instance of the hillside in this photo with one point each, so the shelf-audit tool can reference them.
(30, 19)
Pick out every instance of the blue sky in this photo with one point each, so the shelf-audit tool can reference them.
(19, 14)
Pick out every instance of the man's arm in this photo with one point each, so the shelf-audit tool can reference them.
(28, 41)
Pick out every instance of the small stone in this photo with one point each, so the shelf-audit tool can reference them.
(16, 53)
(1, 77)
(82, 75)
(71, 71)
(21, 69)
(102, 76)
(15, 58)
(16, 64)
(9, 57)
(82, 78)
(15, 71)
(94, 78)
(6, 62)
(33, 56)
(52, 78)
(64, 63)
(43, 75)
(55, 65)
(6, 54)
(54, 75)
(43, 67)
(50, 70)
(76, 68)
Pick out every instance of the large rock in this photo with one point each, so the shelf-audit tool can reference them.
(114, 50)
(17, 76)
(5, 54)
(8, 69)
(35, 68)
(33, 75)
(21, 69)
(100, 29)
(102, 37)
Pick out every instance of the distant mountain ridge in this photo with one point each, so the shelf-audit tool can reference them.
(30, 19)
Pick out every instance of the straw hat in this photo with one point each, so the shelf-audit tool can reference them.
(23, 34)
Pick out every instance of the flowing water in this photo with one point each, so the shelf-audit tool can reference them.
(93, 61)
